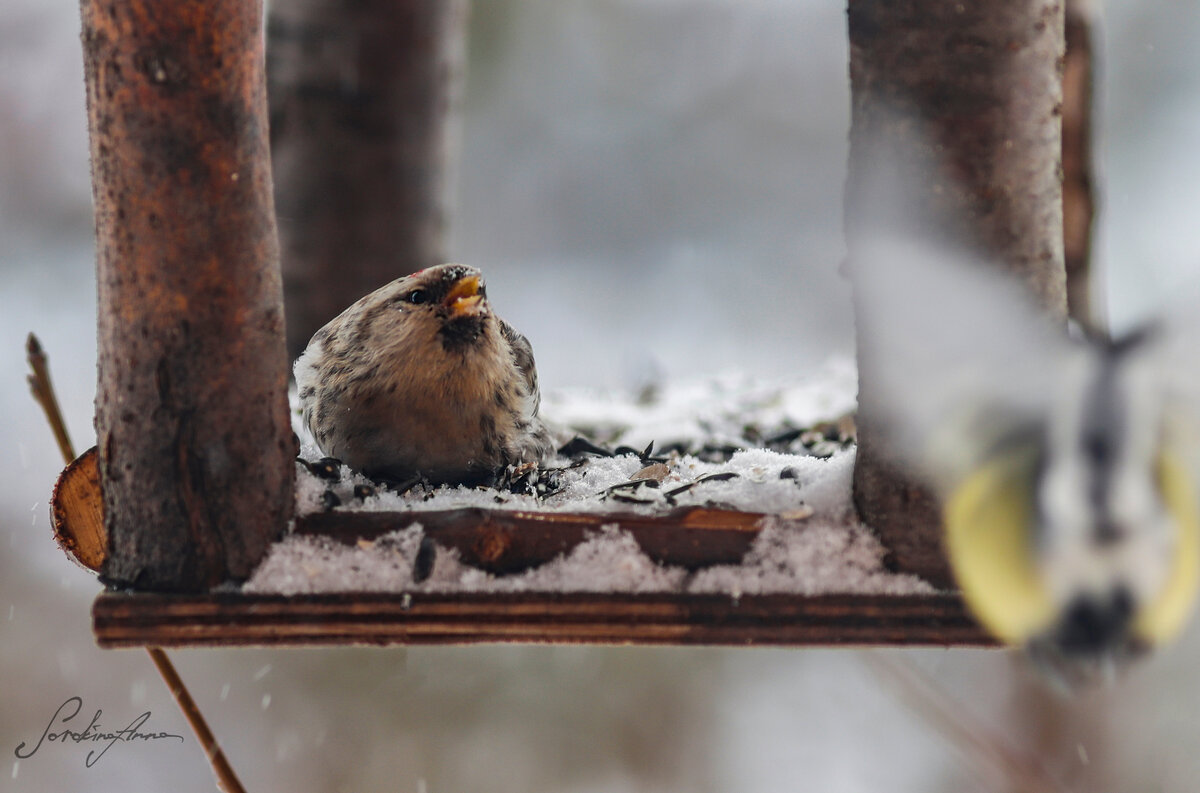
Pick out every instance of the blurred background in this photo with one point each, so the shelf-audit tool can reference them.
(654, 189)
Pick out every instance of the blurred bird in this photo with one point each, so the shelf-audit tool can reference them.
(1067, 468)
(421, 378)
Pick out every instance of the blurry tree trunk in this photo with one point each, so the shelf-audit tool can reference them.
(195, 441)
(971, 93)
(1078, 185)
(361, 98)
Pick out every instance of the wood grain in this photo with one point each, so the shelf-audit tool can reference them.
(505, 541)
(126, 620)
(77, 512)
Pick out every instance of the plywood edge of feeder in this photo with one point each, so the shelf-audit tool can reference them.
(231, 619)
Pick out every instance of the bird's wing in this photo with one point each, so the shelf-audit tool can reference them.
(1172, 359)
(523, 357)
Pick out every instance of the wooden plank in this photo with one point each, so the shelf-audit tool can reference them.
(505, 541)
(128, 620)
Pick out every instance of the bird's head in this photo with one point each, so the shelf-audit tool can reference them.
(448, 301)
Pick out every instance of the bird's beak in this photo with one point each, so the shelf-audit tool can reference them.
(464, 298)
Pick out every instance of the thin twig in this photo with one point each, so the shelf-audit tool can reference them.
(1026, 772)
(226, 778)
(43, 392)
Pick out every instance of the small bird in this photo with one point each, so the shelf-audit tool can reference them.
(420, 378)
(1067, 467)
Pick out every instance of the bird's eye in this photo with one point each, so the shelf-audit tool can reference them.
(417, 297)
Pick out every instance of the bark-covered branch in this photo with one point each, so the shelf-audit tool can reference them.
(191, 411)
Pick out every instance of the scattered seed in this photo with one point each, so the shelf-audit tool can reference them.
(632, 484)
(718, 453)
(402, 486)
(423, 563)
(718, 477)
(825, 449)
(325, 468)
(630, 499)
(783, 438)
(579, 446)
(800, 513)
(670, 494)
(329, 500)
(811, 437)
(655, 471)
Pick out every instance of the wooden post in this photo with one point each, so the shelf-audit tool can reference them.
(361, 99)
(191, 412)
(980, 83)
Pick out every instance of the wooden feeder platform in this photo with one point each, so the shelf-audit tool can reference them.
(502, 542)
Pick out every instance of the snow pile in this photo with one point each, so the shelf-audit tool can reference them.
(753, 480)
(301, 565)
(809, 559)
(609, 561)
(811, 542)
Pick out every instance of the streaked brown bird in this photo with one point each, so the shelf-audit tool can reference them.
(421, 378)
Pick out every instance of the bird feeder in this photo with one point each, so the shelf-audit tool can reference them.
(195, 456)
